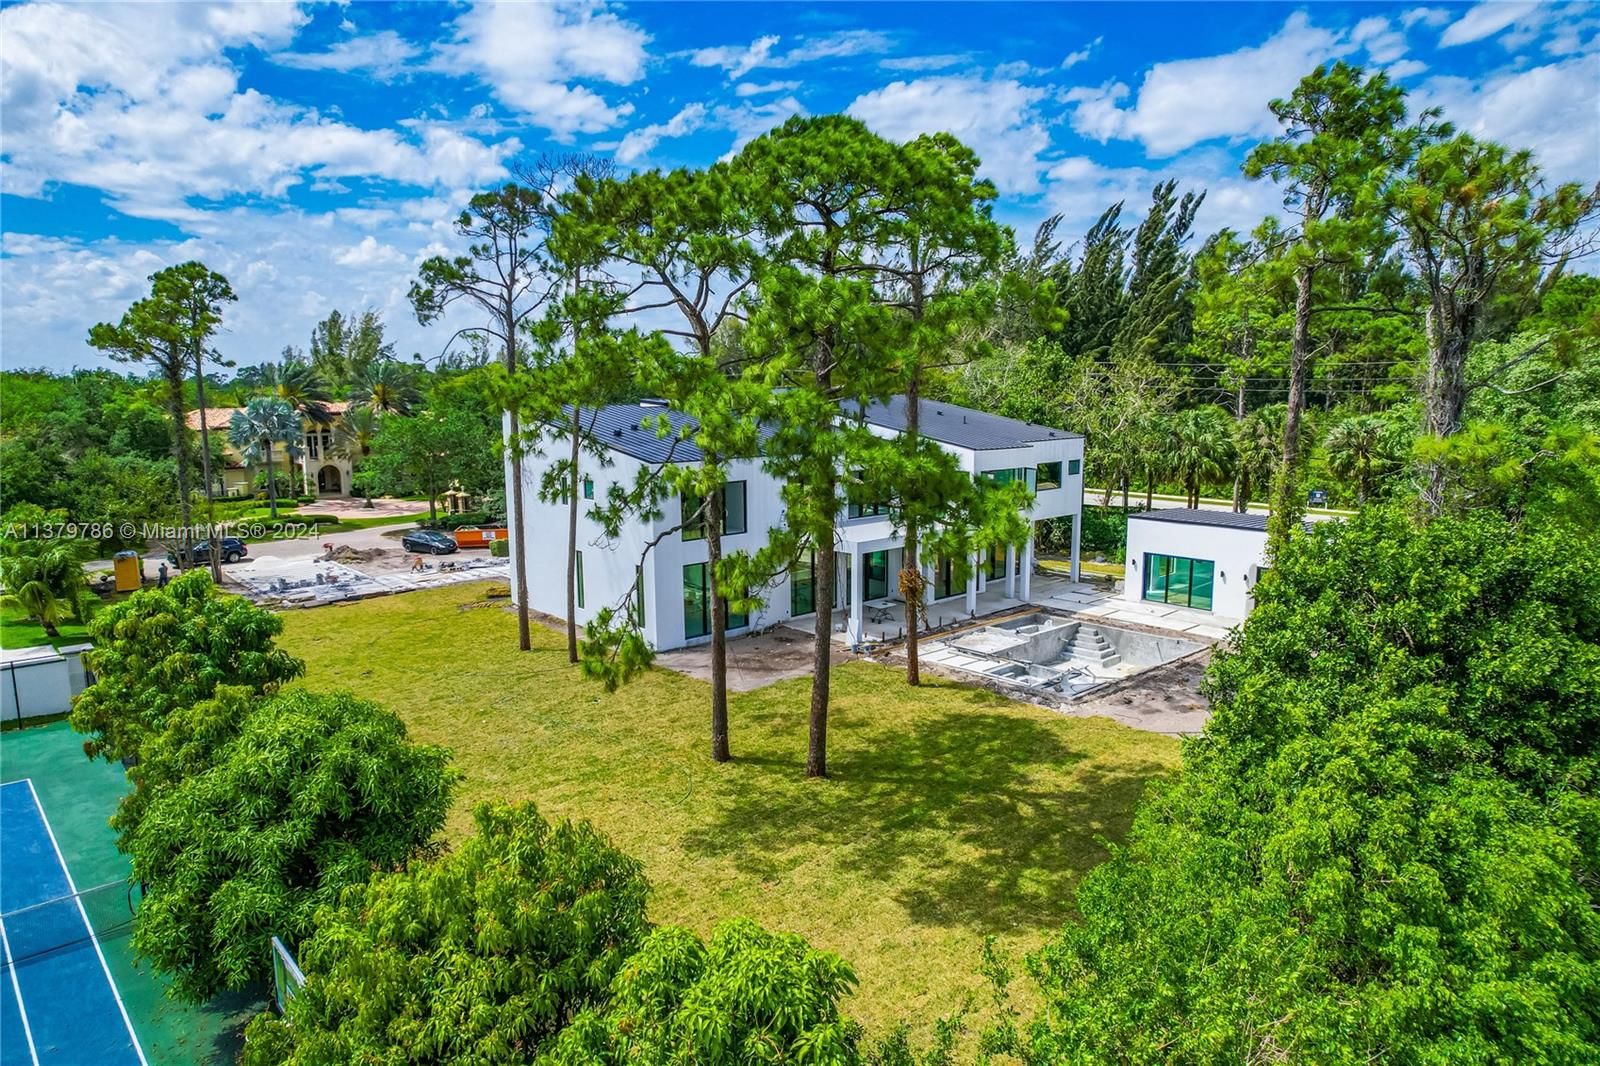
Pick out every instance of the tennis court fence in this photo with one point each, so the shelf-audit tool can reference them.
(54, 925)
(287, 980)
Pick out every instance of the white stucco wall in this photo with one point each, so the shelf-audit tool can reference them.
(608, 564)
(1238, 554)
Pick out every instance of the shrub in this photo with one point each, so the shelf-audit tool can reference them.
(309, 797)
(749, 996)
(163, 649)
(482, 955)
(500, 549)
(1384, 846)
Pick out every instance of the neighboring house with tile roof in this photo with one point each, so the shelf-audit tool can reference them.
(676, 608)
(320, 469)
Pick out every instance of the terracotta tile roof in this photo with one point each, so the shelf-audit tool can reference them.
(218, 417)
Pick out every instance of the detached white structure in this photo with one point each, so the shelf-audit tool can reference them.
(675, 604)
(1201, 560)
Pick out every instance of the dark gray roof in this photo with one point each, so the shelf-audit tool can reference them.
(1191, 516)
(618, 427)
(962, 426)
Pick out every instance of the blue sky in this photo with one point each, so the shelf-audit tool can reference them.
(316, 153)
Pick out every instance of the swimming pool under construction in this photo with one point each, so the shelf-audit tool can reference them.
(1054, 653)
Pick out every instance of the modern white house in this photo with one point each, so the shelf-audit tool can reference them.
(673, 600)
(1202, 560)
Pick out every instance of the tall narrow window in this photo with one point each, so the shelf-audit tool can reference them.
(803, 584)
(578, 566)
(638, 596)
(733, 508)
(696, 601)
(588, 488)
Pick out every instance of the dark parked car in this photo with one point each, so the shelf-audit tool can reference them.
(428, 542)
(233, 549)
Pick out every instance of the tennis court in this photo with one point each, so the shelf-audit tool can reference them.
(54, 836)
(60, 1002)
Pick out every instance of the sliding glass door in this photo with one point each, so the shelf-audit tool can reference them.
(1179, 581)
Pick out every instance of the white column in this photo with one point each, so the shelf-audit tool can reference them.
(1027, 567)
(857, 587)
(1011, 571)
(930, 574)
(1077, 536)
(972, 586)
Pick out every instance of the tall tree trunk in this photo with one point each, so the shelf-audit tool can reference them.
(1287, 507)
(519, 528)
(272, 481)
(909, 562)
(1125, 479)
(821, 653)
(181, 459)
(214, 548)
(573, 485)
(714, 515)
(1241, 480)
(1445, 394)
(822, 636)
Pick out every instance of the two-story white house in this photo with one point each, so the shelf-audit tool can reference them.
(672, 580)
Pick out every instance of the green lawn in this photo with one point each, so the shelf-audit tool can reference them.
(951, 813)
(17, 630)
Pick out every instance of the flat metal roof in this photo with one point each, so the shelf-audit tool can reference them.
(1198, 517)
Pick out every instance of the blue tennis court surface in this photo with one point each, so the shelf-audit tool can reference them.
(58, 1003)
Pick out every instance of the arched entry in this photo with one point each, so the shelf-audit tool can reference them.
(328, 480)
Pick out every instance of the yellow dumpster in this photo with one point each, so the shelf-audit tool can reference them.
(129, 571)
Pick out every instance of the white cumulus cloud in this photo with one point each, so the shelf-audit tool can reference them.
(998, 118)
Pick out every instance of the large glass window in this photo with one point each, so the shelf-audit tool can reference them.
(875, 573)
(944, 579)
(697, 603)
(1179, 581)
(1024, 474)
(803, 584)
(1047, 476)
(997, 562)
(733, 512)
(866, 510)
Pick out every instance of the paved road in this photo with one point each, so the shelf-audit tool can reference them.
(311, 547)
(298, 548)
(1094, 497)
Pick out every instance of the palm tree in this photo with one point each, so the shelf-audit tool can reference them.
(387, 387)
(264, 421)
(1153, 454)
(1202, 448)
(1355, 446)
(48, 584)
(1256, 439)
(298, 384)
(353, 436)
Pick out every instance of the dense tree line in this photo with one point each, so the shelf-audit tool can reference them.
(1331, 350)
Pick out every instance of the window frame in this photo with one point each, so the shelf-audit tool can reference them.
(1040, 481)
(693, 531)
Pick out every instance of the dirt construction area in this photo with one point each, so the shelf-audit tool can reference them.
(754, 661)
(340, 572)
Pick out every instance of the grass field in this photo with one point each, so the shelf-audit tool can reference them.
(951, 813)
(17, 630)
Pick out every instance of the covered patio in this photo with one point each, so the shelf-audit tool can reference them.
(883, 620)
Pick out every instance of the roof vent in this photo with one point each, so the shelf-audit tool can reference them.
(937, 411)
(617, 432)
